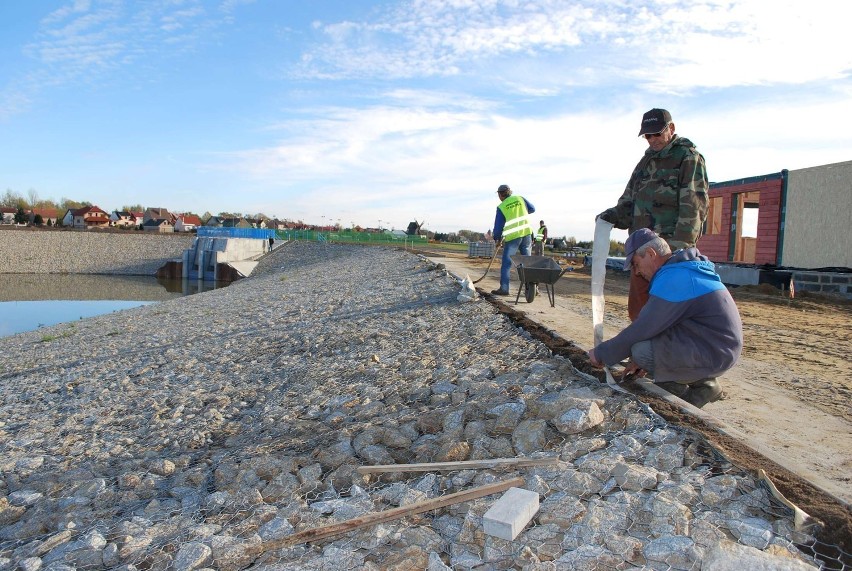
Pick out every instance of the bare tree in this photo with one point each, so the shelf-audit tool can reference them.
(12, 199)
(33, 196)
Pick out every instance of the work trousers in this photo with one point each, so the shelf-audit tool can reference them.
(511, 248)
(638, 295)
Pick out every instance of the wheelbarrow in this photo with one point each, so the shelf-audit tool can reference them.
(534, 270)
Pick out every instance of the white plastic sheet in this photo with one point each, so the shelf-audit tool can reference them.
(600, 252)
(468, 292)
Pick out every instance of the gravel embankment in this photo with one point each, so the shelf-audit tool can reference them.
(32, 251)
(193, 433)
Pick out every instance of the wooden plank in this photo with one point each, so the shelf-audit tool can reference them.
(340, 528)
(461, 465)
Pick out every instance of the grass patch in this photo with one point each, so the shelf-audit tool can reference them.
(49, 338)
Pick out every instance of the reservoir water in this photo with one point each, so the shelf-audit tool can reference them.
(30, 301)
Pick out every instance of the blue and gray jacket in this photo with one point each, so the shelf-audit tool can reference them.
(691, 319)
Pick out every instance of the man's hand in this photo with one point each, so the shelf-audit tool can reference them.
(605, 216)
(632, 369)
(594, 359)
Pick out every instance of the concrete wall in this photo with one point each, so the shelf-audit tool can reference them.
(819, 217)
(823, 282)
(32, 251)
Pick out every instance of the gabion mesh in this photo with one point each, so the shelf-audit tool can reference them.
(131, 444)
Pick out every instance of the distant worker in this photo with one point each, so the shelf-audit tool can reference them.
(540, 239)
(688, 333)
(666, 193)
(512, 226)
(271, 242)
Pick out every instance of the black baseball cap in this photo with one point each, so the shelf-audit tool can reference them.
(654, 121)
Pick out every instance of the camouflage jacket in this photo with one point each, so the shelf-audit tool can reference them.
(667, 193)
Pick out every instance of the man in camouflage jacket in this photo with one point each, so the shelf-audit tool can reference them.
(666, 193)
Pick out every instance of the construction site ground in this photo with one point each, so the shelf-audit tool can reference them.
(788, 400)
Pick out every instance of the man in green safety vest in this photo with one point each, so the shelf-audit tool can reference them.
(540, 239)
(512, 226)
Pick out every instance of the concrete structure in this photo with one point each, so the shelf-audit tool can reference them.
(202, 261)
(510, 514)
(818, 217)
(480, 249)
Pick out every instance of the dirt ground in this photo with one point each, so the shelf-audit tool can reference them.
(788, 408)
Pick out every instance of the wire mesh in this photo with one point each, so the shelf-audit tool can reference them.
(171, 450)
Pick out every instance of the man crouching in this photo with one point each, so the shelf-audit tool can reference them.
(690, 330)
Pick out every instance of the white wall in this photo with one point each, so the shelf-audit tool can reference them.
(819, 217)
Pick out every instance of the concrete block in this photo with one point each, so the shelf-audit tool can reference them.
(510, 514)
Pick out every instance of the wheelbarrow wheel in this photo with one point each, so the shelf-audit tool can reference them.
(529, 292)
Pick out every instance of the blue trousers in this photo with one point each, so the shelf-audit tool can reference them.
(511, 248)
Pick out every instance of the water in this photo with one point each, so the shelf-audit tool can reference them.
(30, 301)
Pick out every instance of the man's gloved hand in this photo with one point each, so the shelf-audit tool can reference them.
(606, 216)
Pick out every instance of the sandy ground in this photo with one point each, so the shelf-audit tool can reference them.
(788, 398)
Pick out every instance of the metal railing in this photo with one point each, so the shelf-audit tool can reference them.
(339, 236)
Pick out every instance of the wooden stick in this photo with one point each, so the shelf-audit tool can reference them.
(462, 465)
(340, 528)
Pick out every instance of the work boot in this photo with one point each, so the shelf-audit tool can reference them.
(677, 389)
(703, 392)
(499, 292)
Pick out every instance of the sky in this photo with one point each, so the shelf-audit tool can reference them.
(376, 114)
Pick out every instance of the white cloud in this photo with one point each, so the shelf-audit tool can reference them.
(421, 157)
(664, 45)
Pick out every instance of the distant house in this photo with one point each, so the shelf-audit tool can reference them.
(236, 223)
(86, 217)
(161, 225)
(7, 215)
(49, 216)
(214, 222)
(257, 222)
(122, 218)
(158, 214)
(187, 223)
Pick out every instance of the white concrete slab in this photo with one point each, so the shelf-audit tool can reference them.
(510, 514)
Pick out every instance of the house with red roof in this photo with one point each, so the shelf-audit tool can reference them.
(49, 216)
(187, 223)
(122, 219)
(85, 218)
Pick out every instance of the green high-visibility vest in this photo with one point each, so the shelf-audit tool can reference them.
(517, 225)
(539, 234)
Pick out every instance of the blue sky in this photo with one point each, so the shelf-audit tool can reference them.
(364, 111)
